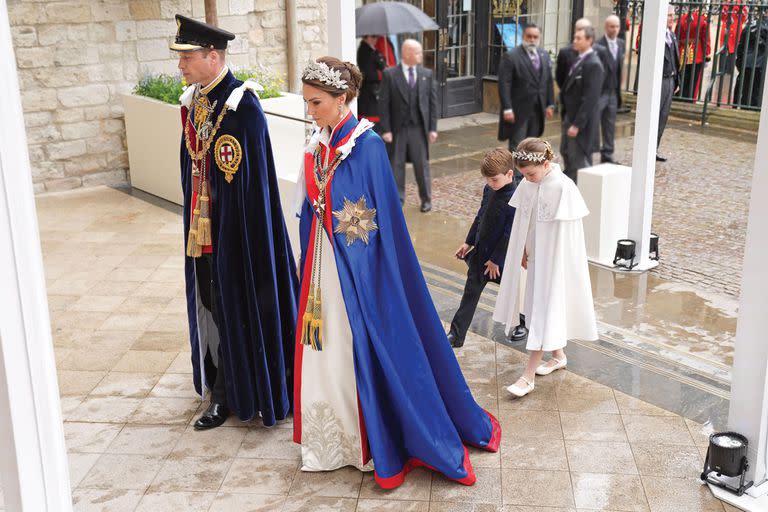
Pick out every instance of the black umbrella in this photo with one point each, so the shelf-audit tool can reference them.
(383, 18)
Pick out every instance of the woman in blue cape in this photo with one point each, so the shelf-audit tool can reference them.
(376, 381)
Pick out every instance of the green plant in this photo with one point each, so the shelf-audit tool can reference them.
(167, 88)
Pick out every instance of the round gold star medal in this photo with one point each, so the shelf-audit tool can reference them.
(228, 154)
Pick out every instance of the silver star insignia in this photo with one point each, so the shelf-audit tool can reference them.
(355, 220)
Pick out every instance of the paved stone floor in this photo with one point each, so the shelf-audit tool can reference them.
(701, 195)
(114, 272)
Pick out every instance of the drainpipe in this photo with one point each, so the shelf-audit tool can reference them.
(292, 32)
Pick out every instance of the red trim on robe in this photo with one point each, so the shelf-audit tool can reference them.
(492, 446)
(397, 480)
(207, 249)
(312, 194)
(365, 449)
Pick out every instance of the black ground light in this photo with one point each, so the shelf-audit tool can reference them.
(653, 247)
(625, 254)
(727, 456)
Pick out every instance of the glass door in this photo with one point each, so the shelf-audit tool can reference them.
(457, 58)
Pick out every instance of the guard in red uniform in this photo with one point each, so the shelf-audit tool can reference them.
(693, 36)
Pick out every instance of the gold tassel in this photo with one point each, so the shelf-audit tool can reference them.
(194, 250)
(204, 224)
(317, 334)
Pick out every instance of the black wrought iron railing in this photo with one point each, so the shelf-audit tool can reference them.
(722, 47)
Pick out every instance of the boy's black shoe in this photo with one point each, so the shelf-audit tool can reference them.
(455, 342)
(519, 333)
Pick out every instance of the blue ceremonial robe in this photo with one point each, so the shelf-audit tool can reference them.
(416, 406)
(253, 267)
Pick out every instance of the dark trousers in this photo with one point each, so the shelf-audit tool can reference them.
(206, 284)
(411, 143)
(691, 78)
(574, 156)
(476, 282)
(524, 128)
(607, 106)
(667, 90)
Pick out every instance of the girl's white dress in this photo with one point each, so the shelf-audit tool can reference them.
(557, 300)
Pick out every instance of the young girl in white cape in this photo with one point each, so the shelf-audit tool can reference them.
(548, 240)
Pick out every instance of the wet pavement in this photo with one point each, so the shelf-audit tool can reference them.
(701, 194)
(623, 428)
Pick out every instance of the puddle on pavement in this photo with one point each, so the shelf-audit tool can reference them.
(674, 314)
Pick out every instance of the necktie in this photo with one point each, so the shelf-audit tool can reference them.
(614, 48)
(411, 77)
(578, 60)
(535, 59)
(669, 38)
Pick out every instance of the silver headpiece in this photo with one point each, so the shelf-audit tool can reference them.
(324, 73)
(529, 157)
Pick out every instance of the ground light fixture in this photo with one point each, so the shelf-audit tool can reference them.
(625, 254)
(727, 457)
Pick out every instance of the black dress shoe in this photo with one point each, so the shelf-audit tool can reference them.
(426, 206)
(519, 333)
(660, 158)
(213, 417)
(455, 341)
(623, 110)
(608, 160)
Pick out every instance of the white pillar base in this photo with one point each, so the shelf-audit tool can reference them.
(744, 502)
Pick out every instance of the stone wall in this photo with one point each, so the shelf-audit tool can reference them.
(76, 58)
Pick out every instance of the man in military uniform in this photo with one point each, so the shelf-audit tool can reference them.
(240, 272)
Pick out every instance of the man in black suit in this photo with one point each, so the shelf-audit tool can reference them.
(408, 110)
(371, 64)
(611, 51)
(565, 59)
(581, 95)
(670, 81)
(525, 90)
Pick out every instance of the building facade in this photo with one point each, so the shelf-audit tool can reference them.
(77, 58)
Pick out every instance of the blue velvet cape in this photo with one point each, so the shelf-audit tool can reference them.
(253, 266)
(416, 405)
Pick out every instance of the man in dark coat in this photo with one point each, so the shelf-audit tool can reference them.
(525, 89)
(610, 48)
(581, 94)
(565, 59)
(670, 77)
(408, 110)
(751, 55)
(241, 281)
(371, 64)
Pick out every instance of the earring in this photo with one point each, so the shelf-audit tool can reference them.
(341, 113)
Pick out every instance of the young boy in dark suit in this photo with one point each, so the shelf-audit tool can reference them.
(486, 244)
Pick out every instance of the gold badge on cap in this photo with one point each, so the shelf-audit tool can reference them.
(228, 155)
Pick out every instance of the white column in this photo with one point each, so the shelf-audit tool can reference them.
(748, 413)
(341, 33)
(341, 30)
(646, 128)
(33, 467)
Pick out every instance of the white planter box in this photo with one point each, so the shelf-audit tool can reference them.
(153, 130)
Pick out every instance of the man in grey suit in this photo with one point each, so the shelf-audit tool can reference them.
(611, 51)
(408, 110)
(526, 89)
(581, 94)
(670, 77)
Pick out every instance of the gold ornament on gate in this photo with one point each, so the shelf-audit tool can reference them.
(228, 155)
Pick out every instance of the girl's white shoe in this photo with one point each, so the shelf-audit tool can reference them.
(544, 369)
(521, 391)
